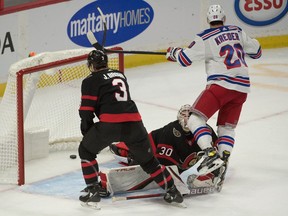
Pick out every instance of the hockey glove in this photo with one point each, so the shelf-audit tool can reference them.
(210, 161)
(171, 53)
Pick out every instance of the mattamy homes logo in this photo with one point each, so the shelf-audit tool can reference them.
(125, 20)
(261, 12)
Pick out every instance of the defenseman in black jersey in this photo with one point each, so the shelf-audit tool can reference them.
(105, 94)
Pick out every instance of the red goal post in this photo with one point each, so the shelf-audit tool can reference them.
(40, 107)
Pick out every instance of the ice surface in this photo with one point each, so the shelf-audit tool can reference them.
(256, 182)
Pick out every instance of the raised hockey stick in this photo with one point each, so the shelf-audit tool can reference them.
(93, 41)
(105, 26)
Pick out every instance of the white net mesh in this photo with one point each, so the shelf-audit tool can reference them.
(51, 99)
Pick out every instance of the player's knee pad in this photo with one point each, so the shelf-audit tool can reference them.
(85, 154)
(195, 121)
(151, 166)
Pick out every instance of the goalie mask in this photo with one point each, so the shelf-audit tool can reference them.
(183, 115)
(96, 60)
(215, 13)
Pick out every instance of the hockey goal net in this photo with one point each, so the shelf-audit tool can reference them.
(41, 103)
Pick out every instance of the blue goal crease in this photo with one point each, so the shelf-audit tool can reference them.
(66, 185)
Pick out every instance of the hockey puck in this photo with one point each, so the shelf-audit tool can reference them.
(73, 156)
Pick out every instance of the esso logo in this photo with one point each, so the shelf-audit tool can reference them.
(125, 20)
(261, 12)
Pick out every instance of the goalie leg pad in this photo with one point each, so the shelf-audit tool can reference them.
(133, 178)
(203, 181)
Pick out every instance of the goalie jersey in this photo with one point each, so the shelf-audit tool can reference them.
(173, 146)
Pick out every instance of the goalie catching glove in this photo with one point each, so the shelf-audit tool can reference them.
(171, 53)
(122, 154)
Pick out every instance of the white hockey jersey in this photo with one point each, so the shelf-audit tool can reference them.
(224, 50)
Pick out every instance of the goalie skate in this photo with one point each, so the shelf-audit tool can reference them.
(173, 195)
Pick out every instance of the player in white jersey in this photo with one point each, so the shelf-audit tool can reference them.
(224, 48)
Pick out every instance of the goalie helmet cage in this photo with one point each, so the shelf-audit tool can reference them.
(43, 92)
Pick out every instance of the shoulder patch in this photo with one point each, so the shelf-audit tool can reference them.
(176, 132)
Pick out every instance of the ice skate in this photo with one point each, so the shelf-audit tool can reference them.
(90, 197)
(174, 197)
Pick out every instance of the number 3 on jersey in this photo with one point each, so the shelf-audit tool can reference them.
(122, 96)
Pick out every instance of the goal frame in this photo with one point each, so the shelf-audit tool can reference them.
(20, 97)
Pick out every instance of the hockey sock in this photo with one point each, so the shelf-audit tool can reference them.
(159, 173)
(162, 177)
(90, 171)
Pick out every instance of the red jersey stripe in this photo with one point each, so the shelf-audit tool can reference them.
(87, 108)
(89, 97)
(117, 118)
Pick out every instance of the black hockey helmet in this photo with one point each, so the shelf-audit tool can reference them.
(97, 59)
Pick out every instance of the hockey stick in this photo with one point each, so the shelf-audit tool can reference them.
(93, 41)
(182, 205)
(193, 192)
(105, 27)
(122, 198)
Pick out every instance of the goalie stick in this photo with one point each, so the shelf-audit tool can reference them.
(122, 198)
(181, 205)
(93, 41)
(193, 192)
(196, 191)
